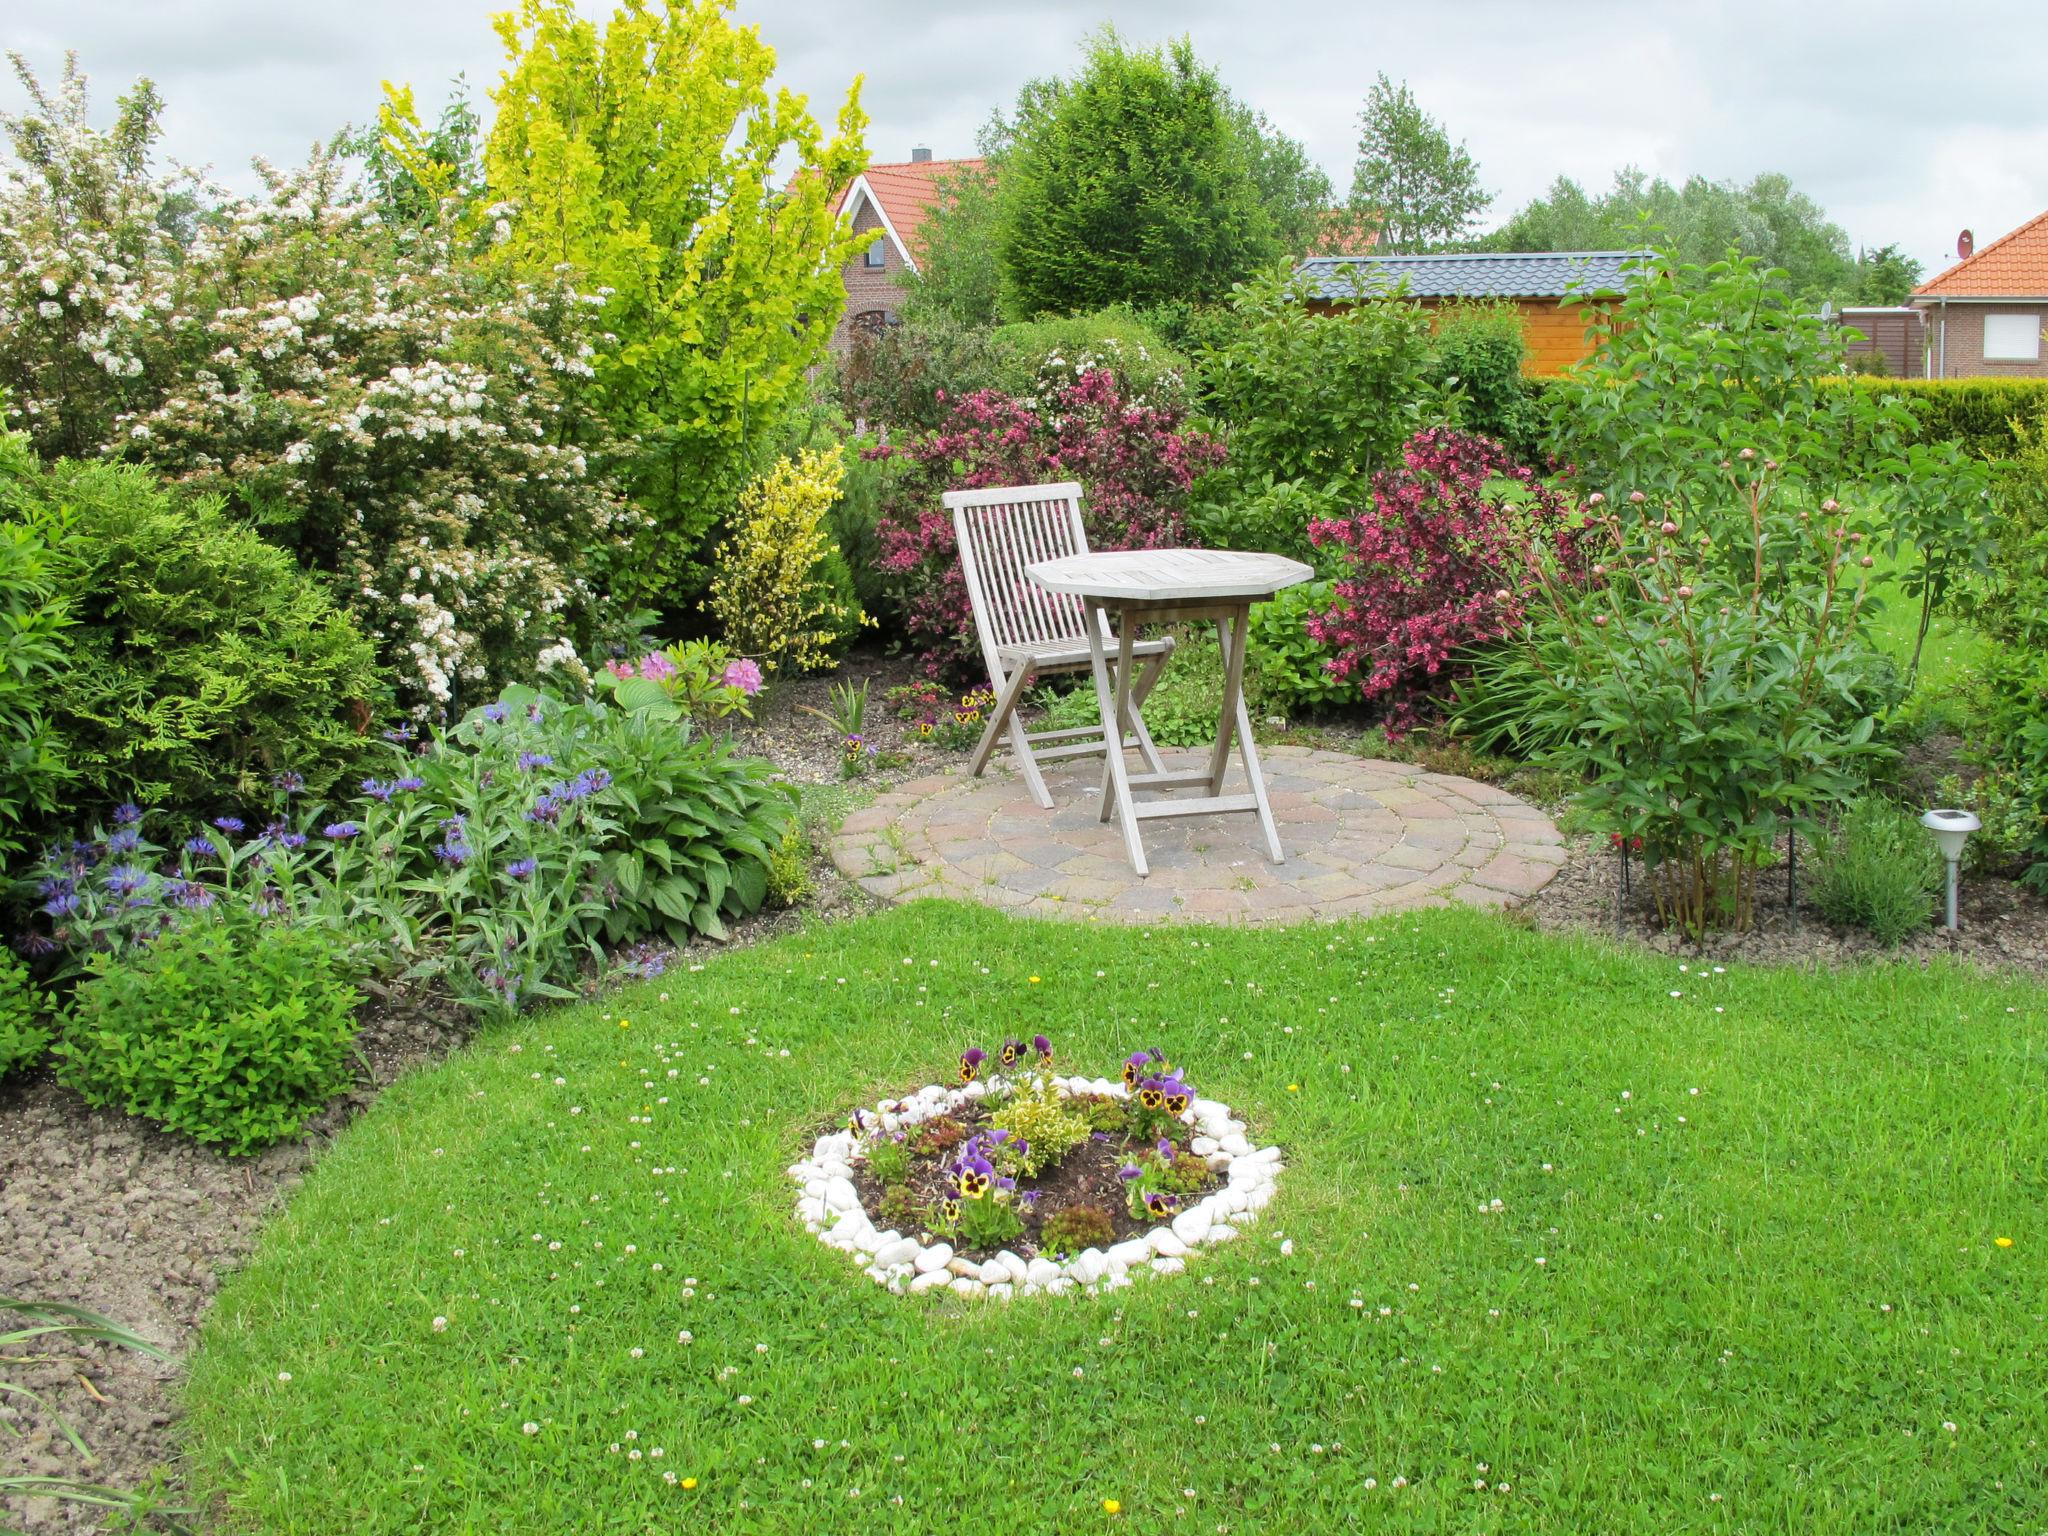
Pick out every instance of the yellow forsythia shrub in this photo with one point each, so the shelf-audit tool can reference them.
(773, 589)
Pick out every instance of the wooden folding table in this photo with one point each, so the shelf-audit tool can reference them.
(1156, 586)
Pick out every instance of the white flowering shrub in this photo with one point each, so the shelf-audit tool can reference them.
(409, 422)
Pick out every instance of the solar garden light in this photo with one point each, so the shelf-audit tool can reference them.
(1951, 830)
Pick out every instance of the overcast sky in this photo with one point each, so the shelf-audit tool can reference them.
(1907, 121)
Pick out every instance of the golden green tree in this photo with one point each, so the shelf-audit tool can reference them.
(643, 156)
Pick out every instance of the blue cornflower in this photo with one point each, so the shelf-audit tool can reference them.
(497, 714)
(341, 831)
(408, 784)
(377, 789)
(123, 840)
(452, 851)
(63, 904)
(127, 814)
(202, 846)
(126, 879)
(189, 894)
(519, 869)
(528, 761)
(546, 809)
(228, 823)
(400, 733)
(595, 781)
(288, 783)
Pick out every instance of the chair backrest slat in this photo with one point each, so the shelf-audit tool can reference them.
(1001, 531)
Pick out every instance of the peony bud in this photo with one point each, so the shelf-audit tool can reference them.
(1831, 505)
(1669, 526)
(1866, 562)
(1636, 498)
(1599, 569)
(1599, 621)
(1746, 455)
(1597, 499)
(1685, 591)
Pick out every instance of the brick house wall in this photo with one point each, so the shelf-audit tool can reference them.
(874, 295)
(1960, 354)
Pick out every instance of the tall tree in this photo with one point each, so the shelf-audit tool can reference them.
(650, 157)
(959, 270)
(1886, 275)
(1416, 186)
(1293, 188)
(1128, 184)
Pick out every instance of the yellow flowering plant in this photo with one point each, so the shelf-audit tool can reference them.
(774, 591)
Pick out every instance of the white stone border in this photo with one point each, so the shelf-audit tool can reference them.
(830, 1206)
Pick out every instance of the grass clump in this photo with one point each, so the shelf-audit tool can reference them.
(1879, 872)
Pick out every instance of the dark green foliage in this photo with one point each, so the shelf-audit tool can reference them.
(1885, 275)
(959, 276)
(898, 1210)
(1034, 356)
(903, 377)
(1496, 705)
(1076, 1228)
(1978, 413)
(1265, 516)
(201, 659)
(22, 1039)
(1179, 712)
(1129, 184)
(1879, 871)
(1479, 353)
(1285, 668)
(34, 615)
(227, 1032)
(888, 1159)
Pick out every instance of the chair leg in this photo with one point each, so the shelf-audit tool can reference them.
(1012, 691)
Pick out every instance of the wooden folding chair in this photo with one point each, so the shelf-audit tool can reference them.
(1027, 631)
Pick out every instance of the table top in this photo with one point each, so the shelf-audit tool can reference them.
(1168, 575)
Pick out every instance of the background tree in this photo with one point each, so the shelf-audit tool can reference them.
(1129, 184)
(1885, 276)
(959, 275)
(1767, 218)
(1293, 188)
(651, 158)
(1417, 187)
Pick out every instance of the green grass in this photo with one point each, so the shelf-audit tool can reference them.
(1743, 1272)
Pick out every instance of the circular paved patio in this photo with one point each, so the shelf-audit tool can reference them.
(1362, 837)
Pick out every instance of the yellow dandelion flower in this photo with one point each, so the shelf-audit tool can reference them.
(689, 1482)
(2004, 1242)
(1110, 1506)
(1294, 1087)
(1034, 981)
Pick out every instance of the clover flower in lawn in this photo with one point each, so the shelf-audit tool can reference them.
(970, 1063)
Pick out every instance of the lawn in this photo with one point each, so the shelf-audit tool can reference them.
(1748, 1269)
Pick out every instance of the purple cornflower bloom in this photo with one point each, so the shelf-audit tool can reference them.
(123, 840)
(36, 945)
(408, 785)
(341, 831)
(125, 880)
(377, 789)
(453, 851)
(288, 783)
(228, 823)
(497, 713)
(127, 814)
(595, 781)
(400, 733)
(519, 869)
(546, 809)
(63, 904)
(202, 846)
(190, 894)
(528, 761)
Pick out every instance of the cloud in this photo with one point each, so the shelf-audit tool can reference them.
(1905, 122)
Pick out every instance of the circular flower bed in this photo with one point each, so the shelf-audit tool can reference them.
(1023, 1181)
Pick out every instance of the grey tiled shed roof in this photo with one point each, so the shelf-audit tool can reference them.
(1477, 275)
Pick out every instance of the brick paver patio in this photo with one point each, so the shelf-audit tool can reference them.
(1362, 836)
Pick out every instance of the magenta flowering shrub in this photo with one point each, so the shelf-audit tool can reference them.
(1433, 565)
(1135, 464)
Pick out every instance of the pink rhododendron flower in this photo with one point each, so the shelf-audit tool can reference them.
(743, 674)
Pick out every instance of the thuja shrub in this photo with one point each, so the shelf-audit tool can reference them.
(230, 1032)
(1135, 463)
(1710, 684)
(1432, 567)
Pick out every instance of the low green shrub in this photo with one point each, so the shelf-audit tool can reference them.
(1265, 516)
(1287, 668)
(1479, 348)
(1034, 357)
(230, 1032)
(22, 1039)
(1179, 712)
(1978, 413)
(34, 615)
(1077, 1228)
(201, 660)
(1878, 871)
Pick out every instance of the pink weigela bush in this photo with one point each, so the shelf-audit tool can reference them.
(1135, 464)
(1433, 565)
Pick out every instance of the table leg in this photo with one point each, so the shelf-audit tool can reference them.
(1247, 751)
(1114, 704)
(1227, 716)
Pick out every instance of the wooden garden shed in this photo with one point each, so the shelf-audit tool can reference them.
(1540, 284)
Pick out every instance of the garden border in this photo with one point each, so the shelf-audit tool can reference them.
(830, 1207)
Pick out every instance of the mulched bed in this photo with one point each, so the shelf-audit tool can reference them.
(1085, 1176)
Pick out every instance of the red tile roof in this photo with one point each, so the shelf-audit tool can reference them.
(907, 191)
(1341, 232)
(2014, 266)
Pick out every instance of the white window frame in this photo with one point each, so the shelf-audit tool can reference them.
(2020, 341)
